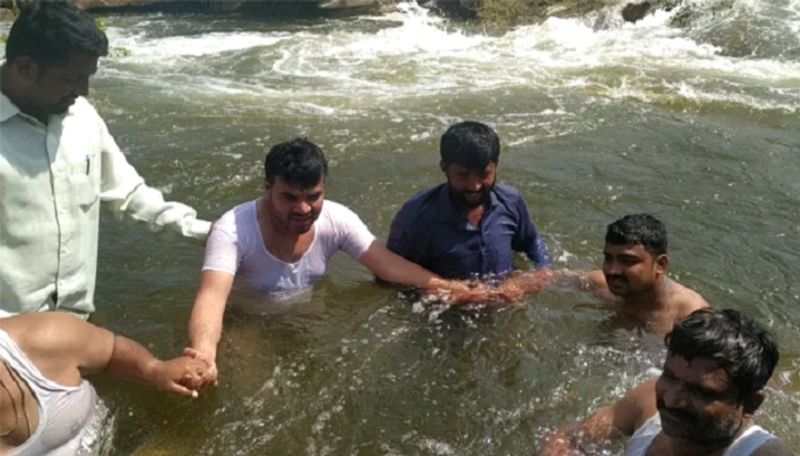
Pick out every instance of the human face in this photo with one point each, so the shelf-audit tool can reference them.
(293, 209)
(697, 401)
(53, 89)
(631, 269)
(470, 187)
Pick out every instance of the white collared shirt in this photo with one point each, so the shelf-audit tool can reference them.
(52, 178)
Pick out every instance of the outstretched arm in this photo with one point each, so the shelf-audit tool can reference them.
(609, 423)
(393, 268)
(126, 193)
(65, 348)
(205, 324)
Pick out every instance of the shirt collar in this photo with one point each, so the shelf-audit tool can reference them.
(447, 211)
(7, 108)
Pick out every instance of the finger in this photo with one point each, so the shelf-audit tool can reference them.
(181, 390)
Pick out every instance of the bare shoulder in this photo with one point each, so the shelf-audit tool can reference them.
(629, 413)
(774, 447)
(51, 341)
(33, 330)
(597, 279)
(642, 401)
(687, 300)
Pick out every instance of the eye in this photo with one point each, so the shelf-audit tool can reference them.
(630, 261)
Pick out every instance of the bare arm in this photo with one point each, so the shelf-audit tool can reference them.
(609, 423)
(65, 348)
(393, 268)
(205, 323)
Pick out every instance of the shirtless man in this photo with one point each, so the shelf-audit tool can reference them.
(717, 365)
(634, 276)
(45, 403)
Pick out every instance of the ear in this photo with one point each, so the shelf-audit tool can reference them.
(662, 263)
(267, 186)
(443, 166)
(26, 68)
(752, 402)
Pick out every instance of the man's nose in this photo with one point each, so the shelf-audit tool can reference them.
(611, 267)
(675, 397)
(475, 184)
(303, 207)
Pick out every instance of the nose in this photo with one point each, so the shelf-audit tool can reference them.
(611, 267)
(475, 184)
(675, 397)
(303, 208)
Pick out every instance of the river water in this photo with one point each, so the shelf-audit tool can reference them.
(699, 125)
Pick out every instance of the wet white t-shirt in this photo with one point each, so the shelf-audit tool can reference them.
(235, 246)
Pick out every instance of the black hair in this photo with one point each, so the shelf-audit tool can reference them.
(298, 162)
(49, 31)
(471, 144)
(739, 345)
(642, 229)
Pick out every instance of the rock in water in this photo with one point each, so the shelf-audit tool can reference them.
(635, 11)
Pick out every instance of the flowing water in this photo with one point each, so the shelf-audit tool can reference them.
(699, 125)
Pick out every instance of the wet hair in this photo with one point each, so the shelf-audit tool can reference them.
(471, 144)
(639, 229)
(49, 31)
(298, 162)
(739, 345)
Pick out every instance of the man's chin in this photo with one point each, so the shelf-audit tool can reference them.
(301, 227)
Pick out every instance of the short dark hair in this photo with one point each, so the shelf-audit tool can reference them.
(298, 162)
(745, 350)
(642, 229)
(49, 31)
(471, 144)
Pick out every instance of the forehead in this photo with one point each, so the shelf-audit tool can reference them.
(282, 186)
(636, 250)
(459, 168)
(698, 371)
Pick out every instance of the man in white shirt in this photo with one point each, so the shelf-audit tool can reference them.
(57, 162)
(715, 373)
(281, 244)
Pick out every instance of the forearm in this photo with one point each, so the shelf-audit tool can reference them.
(205, 326)
(131, 360)
(407, 273)
(147, 204)
(390, 267)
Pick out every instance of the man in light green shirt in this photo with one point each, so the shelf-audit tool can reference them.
(57, 162)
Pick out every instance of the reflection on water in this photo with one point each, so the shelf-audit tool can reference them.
(696, 125)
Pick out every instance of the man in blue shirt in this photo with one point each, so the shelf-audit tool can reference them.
(468, 227)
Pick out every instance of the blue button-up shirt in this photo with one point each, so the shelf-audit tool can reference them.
(432, 231)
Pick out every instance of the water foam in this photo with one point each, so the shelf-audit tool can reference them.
(418, 55)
